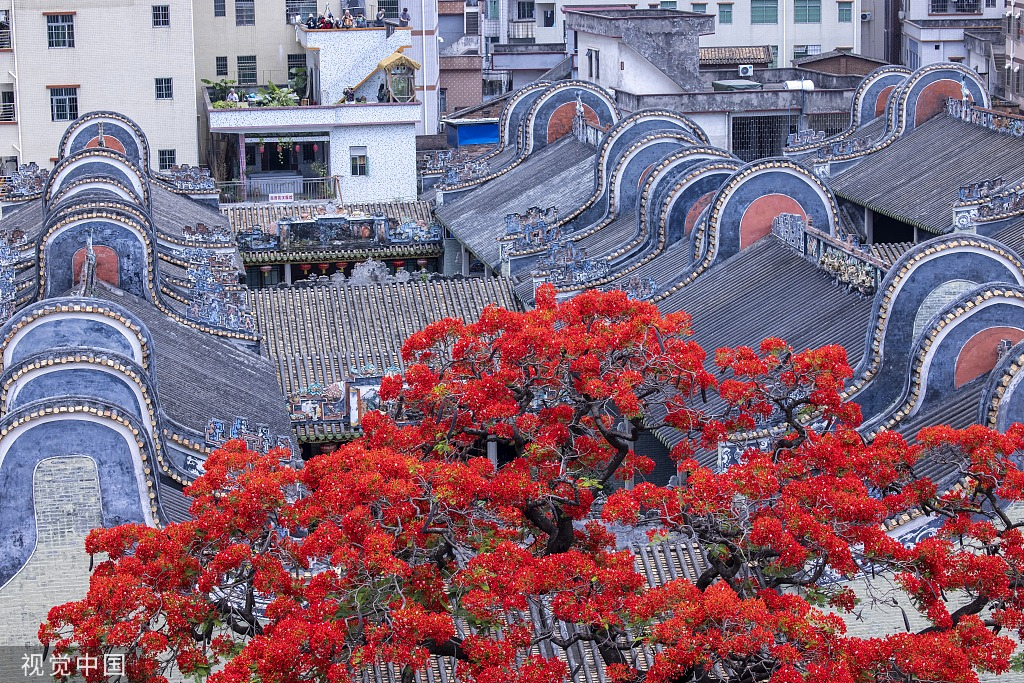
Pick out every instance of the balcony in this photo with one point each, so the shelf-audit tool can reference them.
(5, 39)
(248, 117)
(252, 190)
(7, 113)
(521, 29)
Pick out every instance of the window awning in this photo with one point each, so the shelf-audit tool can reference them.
(398, 59)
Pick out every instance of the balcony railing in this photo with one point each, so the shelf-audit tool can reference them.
(954, 7)
(7, 112)
(490, 28)
(521, 29)
(313, 189)
(5, 38)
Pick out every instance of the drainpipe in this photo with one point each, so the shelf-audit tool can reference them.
(17, 89)
(423, 51)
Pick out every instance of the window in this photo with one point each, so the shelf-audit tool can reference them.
(300, 8)
(725, 14)
(990, 3)
(764, 11)
(845, 12)
(805, 50)
(246, 69)
(390, 8)
(63, 104)
(245, 12)
(296, 61)
(700, 7)
(7, 112)
(161, 16)
(667, 4)
(955, 7)
(219, 9)
(167, 158)
(442, 100)
(222, 66)
(164, 89)
(807, 11)
(594, 63)
(775, 57)
(524, 10)
(358, 158)
(60, 30)
(913, 58)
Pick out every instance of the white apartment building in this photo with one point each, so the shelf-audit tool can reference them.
(59, 59)
(933, 30)
(254, 42)
(1013, 27)
(793, 28)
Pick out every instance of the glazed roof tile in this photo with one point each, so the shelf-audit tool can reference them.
(917, 178)
(172, 212)
(890, 253)
(244, 217)
(561, 174)
(752, 54)
(315, 334)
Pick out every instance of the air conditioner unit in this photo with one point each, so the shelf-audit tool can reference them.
(866, 16)
(746, 70)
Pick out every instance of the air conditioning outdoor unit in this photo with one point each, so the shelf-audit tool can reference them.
(746, 70)
(866, 16)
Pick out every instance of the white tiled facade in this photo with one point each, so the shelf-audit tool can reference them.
(117, 56)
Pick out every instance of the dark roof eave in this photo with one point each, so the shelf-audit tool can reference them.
(904, 219)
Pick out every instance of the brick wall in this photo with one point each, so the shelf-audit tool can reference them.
(461, 77)
(67, 506)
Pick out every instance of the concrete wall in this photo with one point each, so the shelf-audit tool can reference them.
(114, 63)
(391, 162)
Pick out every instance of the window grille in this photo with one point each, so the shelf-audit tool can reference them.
(60, 30)
(245, 12)
(161, 16)
(247, 70)
(63, 104)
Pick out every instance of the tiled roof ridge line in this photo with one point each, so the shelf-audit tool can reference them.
(699, 170)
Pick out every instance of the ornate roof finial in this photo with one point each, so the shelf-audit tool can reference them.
(579, 105)
(100, 138)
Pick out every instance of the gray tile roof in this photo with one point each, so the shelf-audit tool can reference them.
(172, 212)
(200, 377)
(561, 174)
(765, 291)
(917, 178)
(315, 334)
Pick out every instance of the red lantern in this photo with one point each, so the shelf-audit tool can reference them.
(316, 147)
(341, 265)
(296, 149)
(262, 149)
(399, 265)
(322, 267)
(306, 267)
